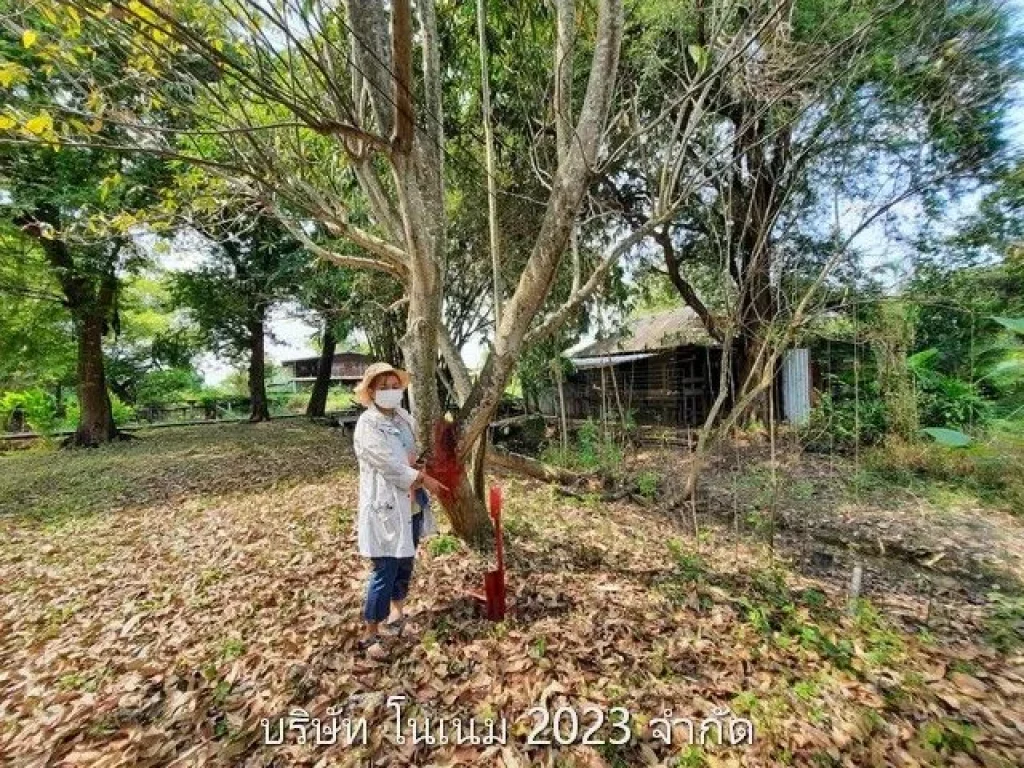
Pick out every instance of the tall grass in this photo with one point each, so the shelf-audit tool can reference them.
(989, 468)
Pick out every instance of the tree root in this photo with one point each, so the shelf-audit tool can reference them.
(524, 465)
(76, 440)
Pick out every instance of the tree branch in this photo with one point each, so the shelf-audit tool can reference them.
(336, 258)
(664, 239)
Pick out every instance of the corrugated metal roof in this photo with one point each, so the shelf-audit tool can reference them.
(606, 361)
(671, 328)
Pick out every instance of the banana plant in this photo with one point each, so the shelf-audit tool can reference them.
(1002, 369)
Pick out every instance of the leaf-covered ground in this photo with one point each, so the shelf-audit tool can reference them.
(159, 597)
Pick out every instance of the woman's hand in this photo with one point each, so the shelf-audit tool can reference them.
(433, 486)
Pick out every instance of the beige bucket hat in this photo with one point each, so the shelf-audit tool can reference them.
(362, 390)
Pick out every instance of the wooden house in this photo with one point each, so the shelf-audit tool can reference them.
(347, 368)
(662, 369)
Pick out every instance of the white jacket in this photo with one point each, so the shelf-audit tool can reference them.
(384, 523)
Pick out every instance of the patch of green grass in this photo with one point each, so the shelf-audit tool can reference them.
(76, 682)
(816, 603)
(53, 487)
(232, 648)
(948, 737)
(210, 576)
(105, 726)
(744, 702)
(429, 639)
(589, 449)
(518, 527)
(55, 618)
(806, 690)
(441, 630)
(882, 644)
(799, 489)
(692, 756)
(689, 566)
(539, 647)
(615, 755)
(981, 472)
(962, 665)
(341, 522)
(770, 609)
(1004, 627)
(444, 544)
(221, 691)
(648, 484)
(873, 722)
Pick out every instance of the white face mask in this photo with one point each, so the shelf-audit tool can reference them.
(388, 398)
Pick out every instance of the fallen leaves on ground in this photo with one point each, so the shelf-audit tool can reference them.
(223, 587)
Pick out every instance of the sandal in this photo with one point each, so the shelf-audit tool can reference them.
(372, 648)
(396, 627)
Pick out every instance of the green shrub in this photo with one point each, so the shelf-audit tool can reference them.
(1005, 624)
(648, 483)
(588, 450)
(296, 402)
(340, 399)
(444, 544)
(843, 418)
(174, 385)
(121, 411)
(946, 401)
(37, 406)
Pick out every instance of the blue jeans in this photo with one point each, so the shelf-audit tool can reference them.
(389, 579)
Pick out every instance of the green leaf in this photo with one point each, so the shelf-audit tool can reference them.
(699, 56)
(952, 438)
(923, 361)
(1015, 324)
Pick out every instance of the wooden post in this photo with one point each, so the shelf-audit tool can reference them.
(618, 400)
(561, 405)
(856, 584)
(604, 408)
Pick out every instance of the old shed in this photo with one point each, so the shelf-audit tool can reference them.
(663, 368)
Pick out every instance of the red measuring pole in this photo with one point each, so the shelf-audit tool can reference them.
(494, 581)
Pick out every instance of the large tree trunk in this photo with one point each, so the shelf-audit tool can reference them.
(418, 182)
(318, 397)
(96, 420)
(752, 355)
(259, 409)
(758, 194)
(90, 301)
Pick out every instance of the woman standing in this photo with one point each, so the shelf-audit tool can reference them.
(394, 509)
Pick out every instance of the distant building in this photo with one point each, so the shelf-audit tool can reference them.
(662, 369)
(347, 368)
